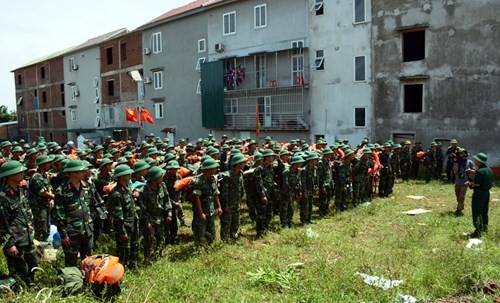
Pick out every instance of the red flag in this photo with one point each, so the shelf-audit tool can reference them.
(131, 114)
(257, 121)
(146, 116)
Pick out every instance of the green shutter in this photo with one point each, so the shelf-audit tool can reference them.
(212, 95)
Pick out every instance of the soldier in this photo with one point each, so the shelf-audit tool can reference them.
(325, 182)
(462, 164)
(405, 161)
(16, 223)
(41, 197)
(415, 162)
(230, 199)
(396, 166)
(430, 162)
(386, 172)
(56, 171)
(206, 203)
(279, 168)
(125, 218)
(360, 175)
(291, 190)
(171, 176)
(264, 182)
(310, 184)
(451, 153)
(439, 161)
(72, 214)
(30, 158)
(251, 188)
(5, 147)
(156, 209)
(98, 210)
(343, 186)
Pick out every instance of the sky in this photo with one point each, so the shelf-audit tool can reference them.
(30, 29)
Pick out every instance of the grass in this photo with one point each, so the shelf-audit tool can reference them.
(427, 252)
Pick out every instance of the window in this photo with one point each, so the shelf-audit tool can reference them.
(198, 64)
(96, 82)
(260, 16)
(20, 101)
(413, 98)
(159, 110)
(202, 45)
(260, 70)
(359, 11)
(229, 23)
(158, 79)
(96, 97)
(318, 7)
(319, 62)
(63, 102)
(97, 122)
(109, 55)
(111, 87)
(298, 44)
(46, 117)
(297, 67)
(44, 97)
(111, 113)
(359, 68)
(123, 51)
(72, 64)
(413, 46)
(63, 113)
(74, 92)
(198, 88)
(19, 80)
(97, 110)
(359, 117)
(231, 106)
(42, 72)
(72, 114)
(157, 43)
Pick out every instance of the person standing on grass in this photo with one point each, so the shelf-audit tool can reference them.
(481, 184)
(462, 164)
(451, 153)
(310, 185)
(264, 182)
(291, 190)
(42, 197)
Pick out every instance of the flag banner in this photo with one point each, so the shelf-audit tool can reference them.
(146, 116)
(131, 114)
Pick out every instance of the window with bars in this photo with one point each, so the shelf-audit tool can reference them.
(229, 23)
(231, 106)
(260, 16)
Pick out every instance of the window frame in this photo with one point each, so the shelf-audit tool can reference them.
(110, 110)
(403, 93)
(198, 87)
(157, 41)
(204, 49)
(365, 116)
(72, 114)
(354, 12)
(158, 80)
(233, 106)
(159, 110)
(74, 92)
(200, 61)
(355, 68)
(259, 9)
(318, 5)
(319, 61)
(409, 32)
(224, 33)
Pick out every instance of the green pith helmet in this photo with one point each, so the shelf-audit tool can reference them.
(238, 158)
(312, 156)
(104, 162)
(297, 160)
(268, 153)
(74, 165)
(11, 167)
(367, 151)
(152, 151)
(481, 158)
(140, 165)
(42, 160)
(122, 170)
(58, 158)
(257, 156)
(155, 173)
(17, 149)
(173, 165)
(327, 151)
(348, 153)
(209, 164)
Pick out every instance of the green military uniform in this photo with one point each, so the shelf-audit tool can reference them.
(231, 192)
(439, 162)
(291, 189)
(325, 183)
(343, 186)
(405, 161)
(38, 185)
(16, 221)
(310, 184)
(396, 166)
(172, 228)
(384, 186)
(360, 175)
(483, 181)
(264, 184)
(430, 163)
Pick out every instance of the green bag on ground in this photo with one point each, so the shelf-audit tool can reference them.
(70, 281)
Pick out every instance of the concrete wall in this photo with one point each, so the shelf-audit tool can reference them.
(461, 94)
(334, 93)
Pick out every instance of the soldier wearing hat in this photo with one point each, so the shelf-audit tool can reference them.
(384, 186)
(360, 176)
(451, 153)
(460, 168)
(325, 181)
(6, 147)
(310, 184)
(98, 208)
(264, 181)
(251, 188)
(156, 210)
(343, 185)
(396, 165)
(56, 173)
(170, 177)
(405, 160)
(439, 161)
(291, 190)
(481, 184)
(73, 214)
(231, 193)
(16, 223)
(206, 203)
(430, 162)
(41, 197)
(415, 162)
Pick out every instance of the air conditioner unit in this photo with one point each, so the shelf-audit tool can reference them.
(147, 80)
(219, 47)
(75, 66)
(146, 51)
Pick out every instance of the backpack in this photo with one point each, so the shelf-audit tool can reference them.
(104, 274)
(70, 281)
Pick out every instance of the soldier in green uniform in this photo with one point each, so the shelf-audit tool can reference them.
(264, 183)
(41, 197)
(310, 184)
(171, 176)
(439, 161)
(16, 223)
(291, 190)
(72, 214)
(125, 217)
(451, 153)
(386, 172)
(483, 181)
(98, 209)
(206, 203)
(343, 186)
(396, 166)
(251, 187)
(415, 162)
(156, 209)
(405, 161)
(430, 162)
(325, 181)
(360, 175)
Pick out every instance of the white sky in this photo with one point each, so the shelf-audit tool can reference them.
(30, 29)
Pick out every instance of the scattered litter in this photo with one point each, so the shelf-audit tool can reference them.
(405, 299)
(421, 224)
(415, 197)
(417, 211)
(296, 264)
(474, 242)
(365, 204)
(378, 281)
(311, 233)
(495, 200)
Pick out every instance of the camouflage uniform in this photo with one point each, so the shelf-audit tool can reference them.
(264, 183)
(172, 228)
(385, 175)
(98, 211)
(251, 195)
(206, 190)
(430, 164)
(230, 199)
(99, 182)
(415, 162)
(343, 186)
(396, 169)
(125, 221)
(155, 208)
(290, 189)
(360, 175)
(439, 163)
(39, 205)
(326, 185)
(310, 183)
(405, 163)
(74, 220)
(279, 168)
(15, 222)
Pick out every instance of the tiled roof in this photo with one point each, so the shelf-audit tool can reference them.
(185, 8)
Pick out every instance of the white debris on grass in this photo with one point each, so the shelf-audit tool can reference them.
(417, 211)
(365, 204)
(415, 197)
(311, 233)
(474, 242)
(378, 281)
(406, 299)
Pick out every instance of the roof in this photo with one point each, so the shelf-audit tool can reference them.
(88, 43)
(182, 9)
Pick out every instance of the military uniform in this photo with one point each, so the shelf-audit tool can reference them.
(230, 199)
(405, 163)
(252, 199)
(483, 181)
(74, 220)
(16, 220)
(415, 162)
(38, 185)
(386, 173)
(206, 190)
(430, 164)
(343, 186)
(155, 208)
(360, 175)
(310, 184)
(172, 228)
(326, 185)
(264, 183)
(291, 188)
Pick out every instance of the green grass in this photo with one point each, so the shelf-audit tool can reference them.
(427, 252)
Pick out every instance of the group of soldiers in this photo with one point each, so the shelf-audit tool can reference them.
(134, 191)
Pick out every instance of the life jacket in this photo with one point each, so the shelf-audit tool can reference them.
(102, 269)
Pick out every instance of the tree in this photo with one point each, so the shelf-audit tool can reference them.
(5, 116)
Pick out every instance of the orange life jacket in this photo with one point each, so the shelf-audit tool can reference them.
(102, 269)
